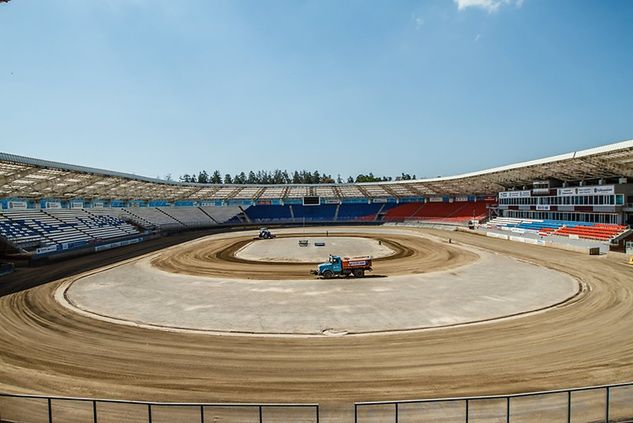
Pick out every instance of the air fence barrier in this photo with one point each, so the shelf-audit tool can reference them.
(43, 409)
(604, 403)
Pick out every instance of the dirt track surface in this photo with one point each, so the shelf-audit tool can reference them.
(216, 258)
(45, 271)
(46, 349)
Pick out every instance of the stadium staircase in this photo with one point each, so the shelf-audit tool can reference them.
(292, 213)
(376, 218)
(210, 217)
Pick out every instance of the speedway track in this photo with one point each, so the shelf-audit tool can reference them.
(45, 348)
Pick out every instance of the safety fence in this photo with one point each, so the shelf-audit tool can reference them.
(45, 409)
(604, 403)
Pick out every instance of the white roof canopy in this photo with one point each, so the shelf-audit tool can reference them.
(24, 177)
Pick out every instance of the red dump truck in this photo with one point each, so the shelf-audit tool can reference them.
(346, 266)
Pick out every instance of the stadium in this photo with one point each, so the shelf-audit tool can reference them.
(498, 295)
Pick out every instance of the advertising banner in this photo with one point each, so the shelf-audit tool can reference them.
(594, 190)
(17, 205)
(44, 250)
(514, 194)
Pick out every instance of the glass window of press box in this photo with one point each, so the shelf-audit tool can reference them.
(581, 200)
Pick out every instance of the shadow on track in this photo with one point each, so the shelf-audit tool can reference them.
(48, 271)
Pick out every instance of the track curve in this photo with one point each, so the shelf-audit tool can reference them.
(215, 257)
(46, 348)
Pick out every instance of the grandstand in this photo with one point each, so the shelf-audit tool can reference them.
(48, 207)
(456, 212)
(570, 229)
(55, 230)
(582, 200)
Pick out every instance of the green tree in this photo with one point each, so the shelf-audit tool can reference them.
(203, 177)
(216, 177)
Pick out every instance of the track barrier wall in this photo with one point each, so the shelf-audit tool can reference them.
(43, 409)
(605, 403)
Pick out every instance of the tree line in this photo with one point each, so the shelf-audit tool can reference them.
(282, 177)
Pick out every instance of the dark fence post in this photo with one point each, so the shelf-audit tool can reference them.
(508, 410)
(466, 410)
(202, 414)
(149, 413)
(261, 416)
(568, 406)
(94, 411)
(50, 411)
(317, 413)
(355, 413)
(396, 412)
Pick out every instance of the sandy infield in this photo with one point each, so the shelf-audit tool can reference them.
(286, 248)
(487, 286)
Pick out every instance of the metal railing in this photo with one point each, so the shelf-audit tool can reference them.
(145, 410)
(599, 404)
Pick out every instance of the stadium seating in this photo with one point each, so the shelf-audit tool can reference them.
(98, 227)
(322, 213)
(51, 229)
(191, 217)
(567, 228)
(403, 211)
(599, 231)
(151, 217)
(360, 211)
(20, 234)
(32, 228)
(269, 213)
(458, 212)
(224, 214)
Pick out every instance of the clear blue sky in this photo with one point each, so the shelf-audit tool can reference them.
(426, 87)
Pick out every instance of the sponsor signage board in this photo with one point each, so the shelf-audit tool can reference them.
(17, 205)
(543, 207)
(594, 190)
(44, 250)
(118, 244)
(514, 194)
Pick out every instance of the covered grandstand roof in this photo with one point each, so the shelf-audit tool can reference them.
(24, 177)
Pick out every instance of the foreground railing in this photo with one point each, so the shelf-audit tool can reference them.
(36, 408)
(604, 403)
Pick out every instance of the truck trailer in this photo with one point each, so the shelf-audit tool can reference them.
(346, 266)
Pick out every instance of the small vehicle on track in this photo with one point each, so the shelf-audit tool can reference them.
(264, 233)
(346, 266)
